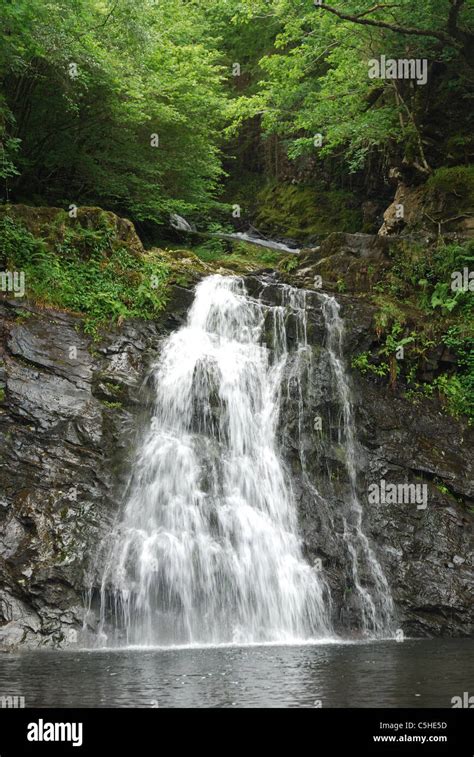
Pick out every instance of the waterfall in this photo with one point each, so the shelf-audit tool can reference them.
(208, 550)
(376, 605)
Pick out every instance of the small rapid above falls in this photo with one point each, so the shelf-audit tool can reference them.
(208, 550)
(252, 238)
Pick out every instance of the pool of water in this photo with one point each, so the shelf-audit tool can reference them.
(413, 673)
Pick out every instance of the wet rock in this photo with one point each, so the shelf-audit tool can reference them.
(427, 554)
(343, 262)
(69, 419)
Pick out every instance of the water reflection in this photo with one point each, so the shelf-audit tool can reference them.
(384, 674)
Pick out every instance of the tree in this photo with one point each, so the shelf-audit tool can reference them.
(120, 104)
(316, 83)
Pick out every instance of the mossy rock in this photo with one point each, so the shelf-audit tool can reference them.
(302, 212)
(453, 187)
(444, 205)
(54, 225)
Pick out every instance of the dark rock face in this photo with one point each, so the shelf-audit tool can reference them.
(68, 424)
(426, 554)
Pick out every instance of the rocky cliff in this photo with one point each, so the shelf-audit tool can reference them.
(70, 412)
(426, 554)
(67, 420)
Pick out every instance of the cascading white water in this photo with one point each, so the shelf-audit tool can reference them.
(376, 605)
(208, 548)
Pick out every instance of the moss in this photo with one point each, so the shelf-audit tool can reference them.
(300, 212)
(455, 184)
(2, 395)
(242, 258)
(55, 227)
(183, 267)
(93, 271)
(23, 315)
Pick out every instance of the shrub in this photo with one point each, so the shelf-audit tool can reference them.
(88, 273)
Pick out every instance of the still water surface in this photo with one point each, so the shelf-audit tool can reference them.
(426, 673)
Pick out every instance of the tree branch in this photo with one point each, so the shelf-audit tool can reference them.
(453, 16)
(377, 7)
(359, 19)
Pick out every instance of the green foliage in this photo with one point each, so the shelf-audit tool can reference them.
(211, 250)
(394, 340)
(425, 274)
(289, 263)
(408, 267)
(113, 388)
(440, 266)
(444, 298)
(9, 144)
(87, 273)
(112, 405)
(457, 398)
(442, 488)
(388, 313)
(315, 81)
(367, 362)
(243, 257)
(460, 393)
(87, 84)
(23, 315)
(364, 363)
